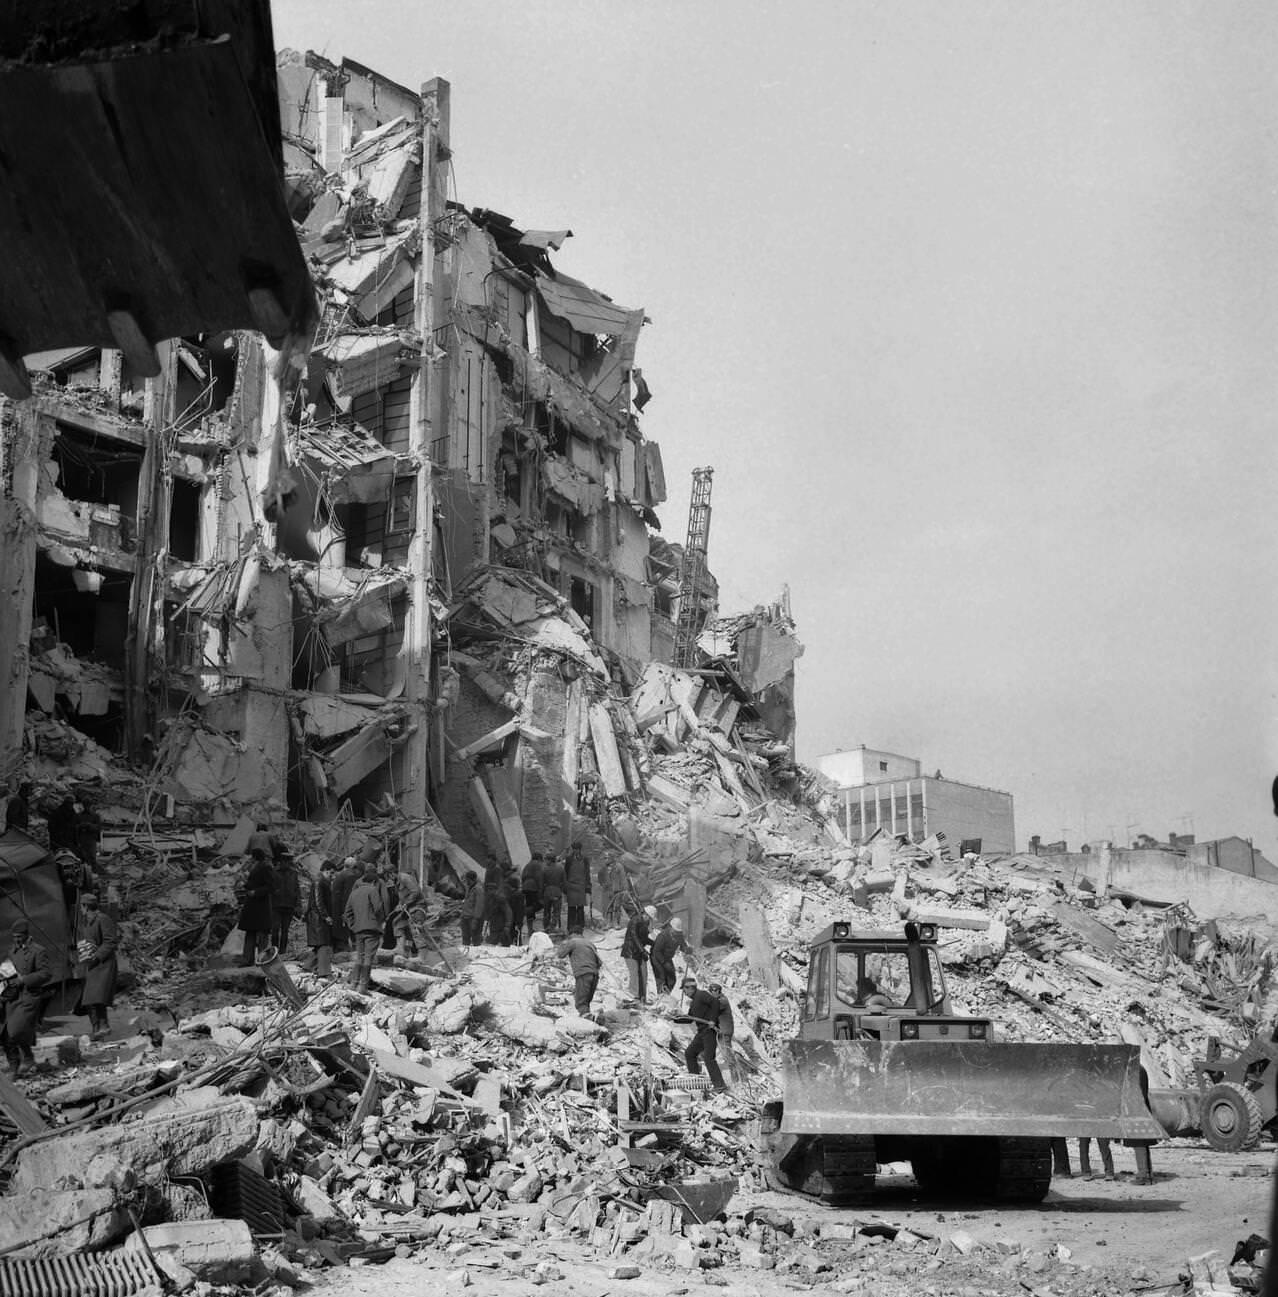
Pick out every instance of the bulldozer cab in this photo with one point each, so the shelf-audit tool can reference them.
(874, 985)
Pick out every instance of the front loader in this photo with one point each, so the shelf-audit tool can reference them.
(884, 1071)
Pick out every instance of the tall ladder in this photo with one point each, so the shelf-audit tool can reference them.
(692, 576)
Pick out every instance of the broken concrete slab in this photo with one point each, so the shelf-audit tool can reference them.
(216, 1251)
(155, 1148)
(50, 1222)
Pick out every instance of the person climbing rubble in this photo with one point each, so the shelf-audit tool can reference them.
(256, 910)
(577, 887)
(472, 911)
(634, 950)
(668, 943)
(584, 961)
(365, 917)
(614, 883)
(705, 1009)
(23, 976)
(552, 894)
(99, 965)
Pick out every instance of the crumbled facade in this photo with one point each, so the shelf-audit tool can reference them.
(246, 574)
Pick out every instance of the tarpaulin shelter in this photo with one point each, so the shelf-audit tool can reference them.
(31, 889)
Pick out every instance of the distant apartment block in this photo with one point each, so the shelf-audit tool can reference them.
(888, 791)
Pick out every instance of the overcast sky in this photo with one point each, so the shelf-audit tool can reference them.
(973, 309)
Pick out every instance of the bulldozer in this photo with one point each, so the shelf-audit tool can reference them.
(884, 1071)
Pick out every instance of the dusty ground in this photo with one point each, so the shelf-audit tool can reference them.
(1121, 1238)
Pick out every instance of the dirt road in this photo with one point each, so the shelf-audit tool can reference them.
(1090, 1237)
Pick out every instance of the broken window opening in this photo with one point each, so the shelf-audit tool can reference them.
(512, 485)
(94, 469)
(94, 626)
(205, 375)
(364, 526)
(402, 503)
(582, 594)
(184, 520)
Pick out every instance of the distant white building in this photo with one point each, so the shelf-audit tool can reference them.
(888, 791)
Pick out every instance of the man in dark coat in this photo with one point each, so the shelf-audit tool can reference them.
(530, 885)
(18, 810)
(284, 903)
(61, 823)
(88, 833)
(634, 950)
(515, 899)
(577, 887)
(344, 879)
(496, 906)
(319, 919)
(20, 996)
(669, 942)
(472, 911)
(99, 940)
(365, 916)
(552, 894)
(583, 959)
(409, 901)
(256, 913)
(706, 1008)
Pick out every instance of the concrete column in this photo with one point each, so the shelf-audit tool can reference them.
(862, 799)
(20, 459)
(892, 805)
(909, 811)
(263, 770)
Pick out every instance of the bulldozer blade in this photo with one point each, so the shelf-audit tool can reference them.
(964, 1088)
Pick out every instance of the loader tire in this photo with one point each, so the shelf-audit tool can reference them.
(1024, 1169)
(1230, 1117)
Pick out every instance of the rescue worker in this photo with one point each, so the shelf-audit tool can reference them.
(577, 887)
(284, 900)
(344, 879)
(18, 808)
(99, 941)
(515, 900)
(319, 919)
(256, 911)
(552, 894)
(705, 1009)
(496, 906)
(472, 911)
(669, 942)
(583, 959)
(60, 820)
(614, 883)
(634, 950)
(365, 919)
(21, 997)
(408, 900)
(530, 885)
(88, 833)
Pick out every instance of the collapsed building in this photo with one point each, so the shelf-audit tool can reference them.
(263, 575)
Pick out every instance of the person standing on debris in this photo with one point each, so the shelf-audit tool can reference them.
(583, 959)
(496, 906)
(530, 885)
(669, 942)
(99, 940)
(21, 996)
(319, 919)
(577, 887)
(615, 884)
(88, 833)
(472, 911)
(408, 901)
(365, 917)
(18, 808)
(284, 900)
(256, 912)
(552, 894)
(634, 950)
(515, 900)
(60, 820)
(344, 880)
(705, 1010)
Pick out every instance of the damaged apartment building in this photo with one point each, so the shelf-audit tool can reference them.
(250, 575)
